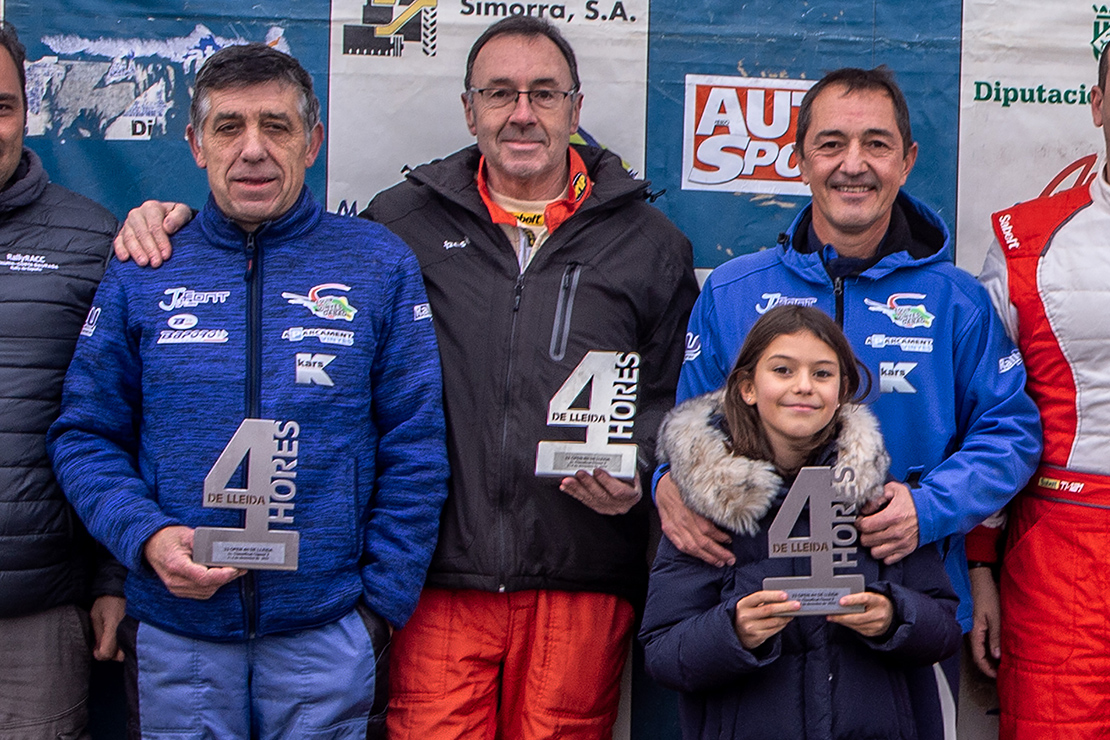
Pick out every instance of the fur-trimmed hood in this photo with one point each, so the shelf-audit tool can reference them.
(736, 492)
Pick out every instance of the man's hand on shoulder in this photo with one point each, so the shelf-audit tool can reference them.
(691, 533)
(602, 492)
(889, 525)
(170, 552)
(145, 235)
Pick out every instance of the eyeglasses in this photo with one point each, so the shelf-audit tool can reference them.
(502, 97)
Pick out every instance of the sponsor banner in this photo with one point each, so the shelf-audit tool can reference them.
(1025, 114)
(739, 134)
(109, 84)
(721, 159)
(397, 73)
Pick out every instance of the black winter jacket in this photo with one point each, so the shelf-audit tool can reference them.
(616, 276)
(813, 680)
(54, 245)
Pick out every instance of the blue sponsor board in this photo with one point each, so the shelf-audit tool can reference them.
(797, 40)
(109, 86)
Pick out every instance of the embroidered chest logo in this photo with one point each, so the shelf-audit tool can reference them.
(330, 307)
(187, 298)
(182, 321)
(26, 263)
(192, 336)
(310, 368)
(893, 377)
(778, 299)
(905, 316)
(324, 336)
(906, 344)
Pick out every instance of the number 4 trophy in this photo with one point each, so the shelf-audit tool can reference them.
(613, 379)
(268, 451)
(830, 544)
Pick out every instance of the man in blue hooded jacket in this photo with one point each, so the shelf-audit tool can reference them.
(294, 346)
(949, 385)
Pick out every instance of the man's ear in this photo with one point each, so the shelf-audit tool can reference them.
(315, 141)
(908, 161)
(194, 146)
(468, 111)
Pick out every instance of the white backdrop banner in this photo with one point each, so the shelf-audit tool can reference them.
(396, 74)
(1025, 116)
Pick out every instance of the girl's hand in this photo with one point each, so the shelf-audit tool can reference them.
(762, 615)
(874, 621)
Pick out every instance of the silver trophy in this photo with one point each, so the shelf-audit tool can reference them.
(268, 451)
(831, 544)
(613, 380)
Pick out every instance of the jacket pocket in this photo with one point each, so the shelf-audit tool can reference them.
(564, 310)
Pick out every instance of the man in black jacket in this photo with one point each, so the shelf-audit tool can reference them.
(560, 300)
(548, 274)
(54, 245)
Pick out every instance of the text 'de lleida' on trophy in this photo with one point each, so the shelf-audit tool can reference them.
(830, 546)
(600, 395)
(267, 450)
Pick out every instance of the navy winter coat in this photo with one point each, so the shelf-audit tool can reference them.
(813, 680)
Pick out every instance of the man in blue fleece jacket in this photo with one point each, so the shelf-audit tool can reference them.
(949, 385)
(289, 362)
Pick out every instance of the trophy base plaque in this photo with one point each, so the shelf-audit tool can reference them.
(239, 548)
(564, 459)
(815, 598)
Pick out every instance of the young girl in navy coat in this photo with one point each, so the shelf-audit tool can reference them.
(746, 665)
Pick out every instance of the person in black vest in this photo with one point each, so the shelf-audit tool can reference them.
(54, 245)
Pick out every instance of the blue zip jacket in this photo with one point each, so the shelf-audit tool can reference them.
(949, 386)
(314, 319)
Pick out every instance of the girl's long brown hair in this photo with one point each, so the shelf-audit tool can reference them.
(747, 438)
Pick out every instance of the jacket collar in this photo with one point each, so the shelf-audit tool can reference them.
(558, 211)
(455, 179)
(299, 219)
(736, 492)
(28, 182)
(918, 231)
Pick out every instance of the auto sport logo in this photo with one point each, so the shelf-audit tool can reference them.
(738, 134)
(388, 24)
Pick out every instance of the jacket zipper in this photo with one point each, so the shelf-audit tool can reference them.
(838, 291)
(564, 309)
(518, 291)
(253, 279)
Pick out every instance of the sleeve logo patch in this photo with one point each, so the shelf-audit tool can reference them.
(90, 322)
(693, 347)
(1009, 362)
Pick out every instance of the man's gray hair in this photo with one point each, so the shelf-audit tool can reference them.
(246, 65)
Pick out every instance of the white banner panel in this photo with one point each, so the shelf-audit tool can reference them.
(397, 73)
(1025, 116)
